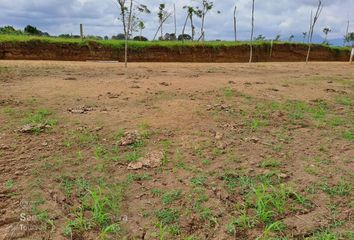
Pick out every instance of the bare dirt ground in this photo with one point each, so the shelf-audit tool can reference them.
(176, 151)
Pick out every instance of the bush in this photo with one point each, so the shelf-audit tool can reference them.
(10, 30)
(184, 37)
(140, 38)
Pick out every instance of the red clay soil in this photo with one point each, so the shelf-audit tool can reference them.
(36, 50)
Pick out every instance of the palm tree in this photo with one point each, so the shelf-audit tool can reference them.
(207, 6)
(304, 34)
(191, 11)
(141, 26)
(161, 15)
(326, 30)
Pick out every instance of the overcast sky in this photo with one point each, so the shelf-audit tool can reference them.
(273, 17)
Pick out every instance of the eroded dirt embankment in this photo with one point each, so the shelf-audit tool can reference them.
(36, 50)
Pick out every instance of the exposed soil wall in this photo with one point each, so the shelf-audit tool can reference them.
(37, 50)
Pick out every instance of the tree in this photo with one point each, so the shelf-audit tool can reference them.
(141, 27)
(206, 7)
(120, 36)
(304, 35)
(349, 38)
(326, 30)
(140, 38)
(312, 27)
(346, 33)
(191, 11)
(175, 18)
(163, 16)
(9, 30)
(30, 30)
(277, 38)
(127, 15)
(291, 38)
(235, 22)
(260, 37)
(170, 37)
(183, 37)
(252, 30)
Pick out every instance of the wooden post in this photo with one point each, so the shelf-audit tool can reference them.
(81, 31)
(351, 56)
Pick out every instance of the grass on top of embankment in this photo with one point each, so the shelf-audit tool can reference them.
(141, 44)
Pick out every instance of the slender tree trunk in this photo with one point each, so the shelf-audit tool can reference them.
(235, 23)
(346, 34)
(127, 34)
(161, 29)
(161, 23)
(309, 40)
(175, 18)
(251, 43)
(202, 29)
(184, 27)
(192, 26)
(317, 15)
(141, 33)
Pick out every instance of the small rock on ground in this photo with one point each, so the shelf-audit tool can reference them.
(151, 160)
(129, 138)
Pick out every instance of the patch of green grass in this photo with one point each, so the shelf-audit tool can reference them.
(167, 216)
(348, 135)
(255, 124)
(235, 182)
(270, 201)
(228, 92)
(270, 163)
(345, 101)
(9, 111)
(343, 188)
(144, 130)
(9, 184)
(100, 152)
(198, 180)
(139, 177)
(312, 169)
(336, 121)
(104, 205)
(323, 235)
(166, 146)
(156, 192)
(132, 156)
(80, 138)
(40, 117)
(119, 134)
(243, 221)
(67, 185)
(169, 197)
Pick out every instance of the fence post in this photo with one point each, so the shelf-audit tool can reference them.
(351, 56)
(81, 31)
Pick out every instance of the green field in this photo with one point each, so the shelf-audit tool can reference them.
(140, 44)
